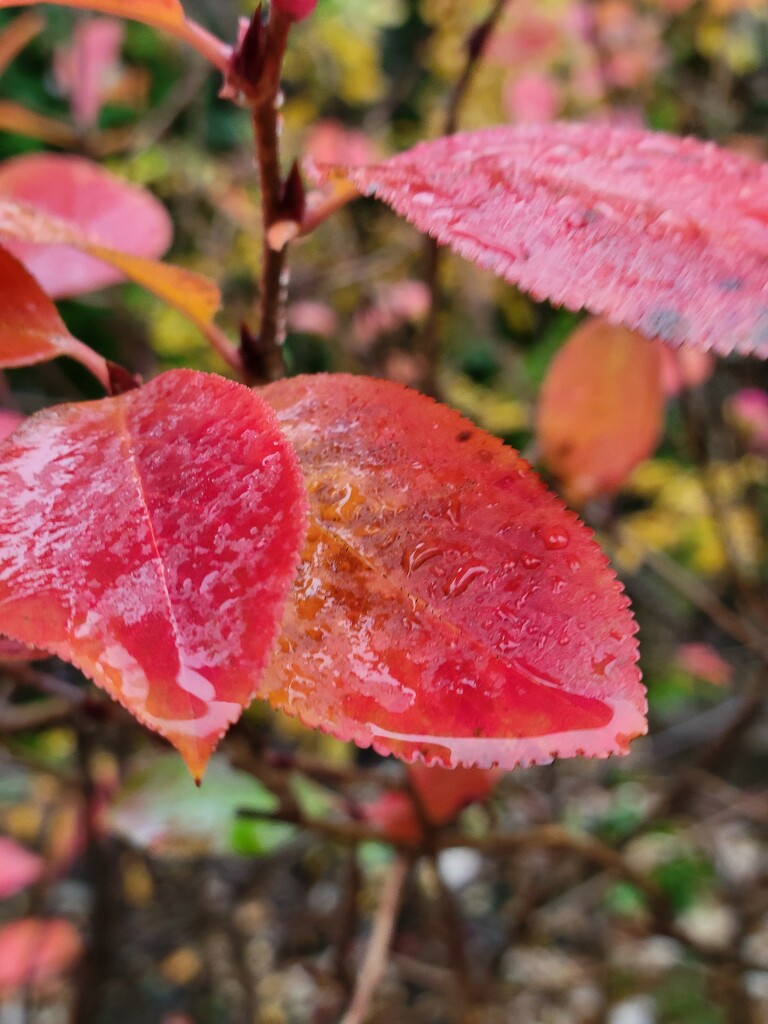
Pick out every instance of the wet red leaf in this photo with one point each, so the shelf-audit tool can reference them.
(601, 409)
(150, 539)
(162, 13)
(36, 950)
(108, 210)
(448, 607)
(31, 330)
(666, 235)
(18, 867)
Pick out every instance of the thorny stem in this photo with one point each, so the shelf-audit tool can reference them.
(267, 358)
(476, 45)
(376, 956)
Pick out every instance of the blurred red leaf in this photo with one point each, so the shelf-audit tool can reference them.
(703, 661)
(601, 408)
(18, 867)
(442, 794)
(35, 950)
(31, 330)
(110, 211)
(12, 650)
(666, 235)
(162, 13)
(447, 606)
(150, 539)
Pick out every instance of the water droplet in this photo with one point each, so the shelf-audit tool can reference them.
(463, 577)
(423, 198)
(453, 511)
(574, 564)
(530, 561)
(554, 540)
(413, 558)
(601, 666)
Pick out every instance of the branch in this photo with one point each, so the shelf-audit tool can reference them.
(475, 46)
(375, 962)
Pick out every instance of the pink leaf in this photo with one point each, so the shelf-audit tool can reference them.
(666, 235)
(18, 868)
(447, 607)
(150, 539)
(36, 950)
(87, 67)
(110, 211)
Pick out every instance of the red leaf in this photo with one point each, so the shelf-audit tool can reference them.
(31, 330)
(35, 950)
(18, 867)
(666, 235)
(110, 211)
(443, 794)
(11, 650)
(150, 539)
(601, 409)
(162, 13)
(447, 606)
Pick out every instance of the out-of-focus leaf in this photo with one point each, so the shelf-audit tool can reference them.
(15, 36)
(88, 66)
(447, 607)
(18, 867)
(442, 793)
(601, 409)
(160, 809)
(162, 13)
(666, 235)
(36, 950)
(31, 330)
(16, 118)
(151, 539)
(194, 296)
(109, 211)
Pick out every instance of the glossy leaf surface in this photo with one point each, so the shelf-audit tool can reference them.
(601, 409)
(36, 950)
(31, 330)
(110, 211)
(447, 606)
(150, 539)
(163, 13)
(668, 236)
(194, 296)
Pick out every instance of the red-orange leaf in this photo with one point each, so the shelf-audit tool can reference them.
(150, 539)
(108, 210)
(601, 410)
(666, 235)
(448, 607)
(31, 330)
(162, 13)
